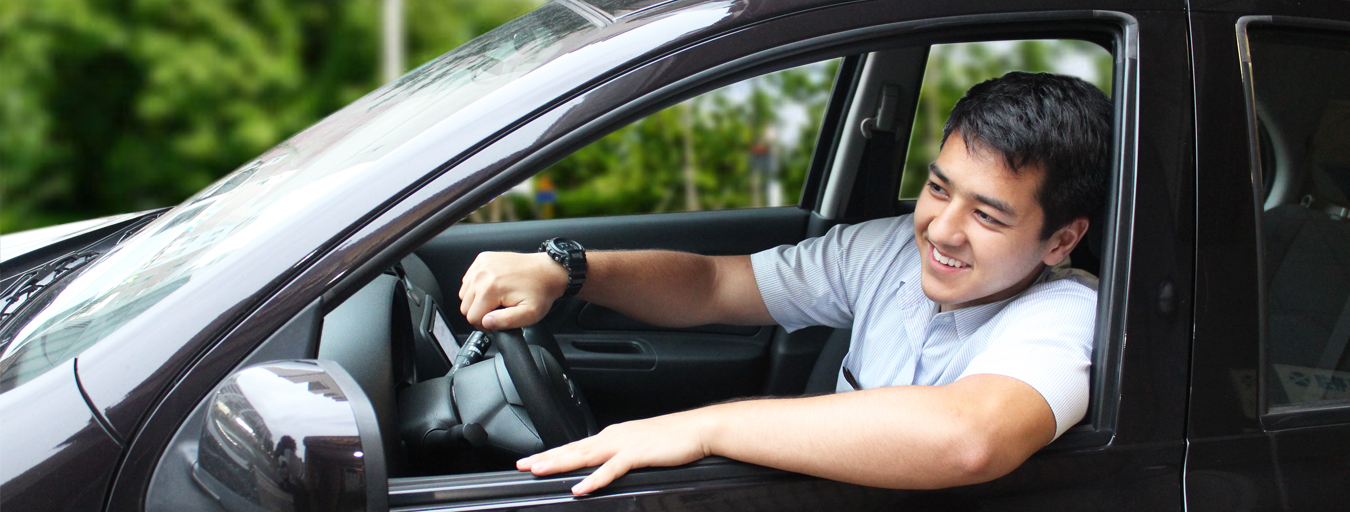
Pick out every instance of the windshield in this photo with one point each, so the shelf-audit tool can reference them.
(184, 243)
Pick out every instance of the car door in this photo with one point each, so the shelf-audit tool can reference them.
(1268, 406)
(1128, 452)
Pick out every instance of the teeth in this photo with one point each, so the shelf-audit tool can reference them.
(951, 262)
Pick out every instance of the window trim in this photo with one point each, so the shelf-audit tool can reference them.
(1280, 417)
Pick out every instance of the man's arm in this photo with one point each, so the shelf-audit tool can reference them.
(972, 430)
(671, 289)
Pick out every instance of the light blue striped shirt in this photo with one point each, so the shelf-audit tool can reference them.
(866, 277)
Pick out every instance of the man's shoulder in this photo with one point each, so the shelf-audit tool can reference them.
(886, 224)
(888, 234)
(1063, 293)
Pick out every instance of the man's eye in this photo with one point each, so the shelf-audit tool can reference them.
(937, 189)
(987, 218)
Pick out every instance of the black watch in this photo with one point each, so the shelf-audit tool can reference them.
(572, 256)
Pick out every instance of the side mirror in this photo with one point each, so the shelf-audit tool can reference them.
(292, 436)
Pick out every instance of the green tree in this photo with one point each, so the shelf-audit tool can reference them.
(639, 167)
(109, 107)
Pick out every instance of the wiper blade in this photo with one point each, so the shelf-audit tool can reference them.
(21, 289)
(33, 282)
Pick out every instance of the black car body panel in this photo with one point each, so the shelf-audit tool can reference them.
(64, 460)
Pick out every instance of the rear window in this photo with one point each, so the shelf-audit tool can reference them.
(1300, 84)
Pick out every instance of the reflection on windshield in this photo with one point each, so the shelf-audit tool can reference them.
(211, 225)
(619, 8)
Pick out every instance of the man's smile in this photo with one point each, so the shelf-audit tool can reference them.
(944, 262)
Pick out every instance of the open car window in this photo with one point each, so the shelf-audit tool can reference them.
(606, 178)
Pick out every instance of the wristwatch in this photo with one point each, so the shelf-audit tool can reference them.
(572, 256)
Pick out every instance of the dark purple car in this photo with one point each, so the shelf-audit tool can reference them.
(283, 340)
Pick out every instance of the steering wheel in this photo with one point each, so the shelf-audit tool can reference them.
(556, 407)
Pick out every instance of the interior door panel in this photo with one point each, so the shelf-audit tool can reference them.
(629, 369)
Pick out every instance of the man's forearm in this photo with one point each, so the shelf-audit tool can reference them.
(901, 437)
(502, 290)
(675, 289)
(921, 437)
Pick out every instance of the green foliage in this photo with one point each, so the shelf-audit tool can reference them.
(640, 168)
(117, 106)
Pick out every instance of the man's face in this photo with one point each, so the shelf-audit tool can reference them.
(978, 226)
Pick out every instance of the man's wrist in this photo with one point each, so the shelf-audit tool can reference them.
(572, 257)
(553, 275)
(710, 425)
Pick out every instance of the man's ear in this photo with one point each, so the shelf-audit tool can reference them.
(1064, 240)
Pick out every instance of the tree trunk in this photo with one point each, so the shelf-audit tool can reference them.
(687, 132)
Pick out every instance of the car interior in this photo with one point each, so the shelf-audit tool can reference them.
(589, 366)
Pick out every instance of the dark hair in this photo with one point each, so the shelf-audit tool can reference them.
(1058, 123)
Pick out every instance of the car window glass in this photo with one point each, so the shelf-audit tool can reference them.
(744, 145)
(1301, 85)
(954, 68)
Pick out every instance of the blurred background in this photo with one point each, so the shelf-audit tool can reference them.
(110, 106)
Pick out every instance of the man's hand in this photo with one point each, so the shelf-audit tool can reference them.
(669, 440)
(524, 284)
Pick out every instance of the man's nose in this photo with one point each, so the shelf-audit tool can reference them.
(947, 227)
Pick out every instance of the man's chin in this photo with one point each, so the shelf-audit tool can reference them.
(942, 295)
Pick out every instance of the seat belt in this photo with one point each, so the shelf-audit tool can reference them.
(878, 176)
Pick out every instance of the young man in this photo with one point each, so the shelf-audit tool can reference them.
(970, 348)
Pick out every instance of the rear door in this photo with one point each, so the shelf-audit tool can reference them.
(1270, 405)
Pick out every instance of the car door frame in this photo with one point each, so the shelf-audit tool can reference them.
(525, 490)
(749, 481)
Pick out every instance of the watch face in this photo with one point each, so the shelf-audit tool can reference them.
(567, 245)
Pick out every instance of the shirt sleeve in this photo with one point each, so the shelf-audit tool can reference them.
(817, 282)
(1047, 343)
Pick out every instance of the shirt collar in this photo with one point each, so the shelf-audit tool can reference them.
(911, 294)
(968, 320)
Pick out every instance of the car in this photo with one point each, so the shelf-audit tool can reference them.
(283, 340)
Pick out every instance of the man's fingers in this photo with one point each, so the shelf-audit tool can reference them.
(520, 315)
(482, 305)
(465, 300)
(606, 473)
(564, 458)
